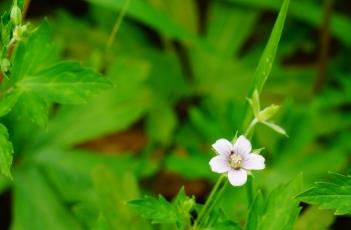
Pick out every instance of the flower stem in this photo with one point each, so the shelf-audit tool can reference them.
(215, 201)
(205, 209)
(249, 190)
(250, 127)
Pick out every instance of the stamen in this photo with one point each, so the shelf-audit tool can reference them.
(235, 161)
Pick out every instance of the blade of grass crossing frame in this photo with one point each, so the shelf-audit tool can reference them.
(265, 63)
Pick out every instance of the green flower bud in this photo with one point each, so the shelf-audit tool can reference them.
(16, 15)
(187, 204)
(267, 113)
(5, 65)
(19, 32)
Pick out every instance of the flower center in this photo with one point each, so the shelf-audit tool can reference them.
(235, 161)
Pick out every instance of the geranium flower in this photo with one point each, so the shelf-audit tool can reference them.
(235, 159)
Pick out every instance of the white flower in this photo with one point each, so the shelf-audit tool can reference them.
(236, 160)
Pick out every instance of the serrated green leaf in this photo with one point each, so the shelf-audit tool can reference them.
(31, 108)
(66, 83)
(184, 205)
(334, 194)
(282, 208)
(7, 102)
(31, 55)
(6, 152)
(157, 210)
(72, 125)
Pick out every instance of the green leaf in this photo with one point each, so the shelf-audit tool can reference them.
(315, 219)
(7, 101)
(282, 208)
(36, 204)
(66, 83)
(184, 205)
(264, 66)
(157, 210)
(37, 83)
(70, 178)
(255, 212)
(33, 108)
(224, 225)
(6, 152)
(334, 194)
(275, 127)
(31, 55)
(113, 193)
(111, 111)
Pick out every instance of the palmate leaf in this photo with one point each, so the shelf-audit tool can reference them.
(335, 194)
(72, 125)
(281, 209)
(157, 210)
(66, 83)
(7, 102)
(34, 82)
(6, 151)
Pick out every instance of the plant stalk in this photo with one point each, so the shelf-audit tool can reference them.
(212, 196)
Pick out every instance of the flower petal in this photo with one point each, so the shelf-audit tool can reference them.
(220, 164)
(237, 177)
(242, 146)
(223, 146)
(253, 161)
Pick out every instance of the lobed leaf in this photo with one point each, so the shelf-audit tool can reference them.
(6, 152)
(66, 83)
(334, 194)
(282, 209)
(157, 210)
